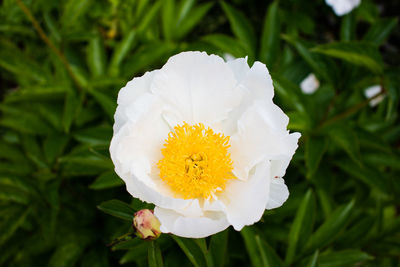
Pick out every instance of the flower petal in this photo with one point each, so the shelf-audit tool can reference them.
(261, 135)
(254, 83)
(278, 193)
(204, 92)
(192, 227)
(342, 7)
(129, 94)
(245, 201)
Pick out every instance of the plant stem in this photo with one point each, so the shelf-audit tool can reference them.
(48, 42)
(351, 110)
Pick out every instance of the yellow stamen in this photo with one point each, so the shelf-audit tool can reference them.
(195, 162)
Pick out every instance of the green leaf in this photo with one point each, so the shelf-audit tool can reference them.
(106, 180)
(149, 17)
(94, 136)
(260, 253)
(270, 35)
(226, 44)
(154, 255)
(371, 177)
(168, 17)
(191, 250)
(117, 209)
(315, 148)
(290, 92)
(357, 53)
(346, 138)
(121, 51)
(146, 56)
(218, 248)
(301, 227)
(23, 121)
(108, 104)
(53, 146)
(135, 254)
(268, 254)
(311, 58)
(36, 93)
(188, 22)
(329, 230)
(74, 9)
(314, 259)
(71, 105)
(66, 255)
(241, 27)
(11, 224)
(343, 258)
(347, 28)
(380, 30)
(96, 56)
(358, 231)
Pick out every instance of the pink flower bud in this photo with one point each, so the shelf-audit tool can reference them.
(146, 224)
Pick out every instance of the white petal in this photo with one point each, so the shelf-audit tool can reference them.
(372, 91)
(129, 94)
(239, 67)
(261, 135)
(204, 92)
(255, 83)
(245, 201)
(342, 7)
(280, 163)
(278, 193)
(191, 227)
(310, 84)
(259, 82)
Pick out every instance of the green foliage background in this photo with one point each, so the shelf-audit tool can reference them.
(63, 62)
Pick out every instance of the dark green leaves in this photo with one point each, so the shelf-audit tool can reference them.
(301, 227)
(63, 62)
(192, 251)
(330, 229)
(358, 53)
(118, 209)
(260, 252)
(154, 255)
(270, 35)
(241, 27)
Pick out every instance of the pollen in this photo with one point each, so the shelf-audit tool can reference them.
(196, 162)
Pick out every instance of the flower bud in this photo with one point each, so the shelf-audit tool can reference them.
(146, 224)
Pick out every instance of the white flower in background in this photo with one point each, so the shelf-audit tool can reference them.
(342, 7)
(310, 84)
(372, 91)
(202, 140)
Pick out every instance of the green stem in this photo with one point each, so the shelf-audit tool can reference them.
(48, 42)
(350, 111)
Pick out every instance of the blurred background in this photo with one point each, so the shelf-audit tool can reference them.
(63, 62)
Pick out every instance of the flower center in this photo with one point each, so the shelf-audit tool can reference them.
(195, 162)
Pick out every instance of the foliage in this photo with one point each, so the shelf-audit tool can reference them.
(63, 62)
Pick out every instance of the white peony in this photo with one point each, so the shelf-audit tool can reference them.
(202, 140)
(342, 7)
(310, 84)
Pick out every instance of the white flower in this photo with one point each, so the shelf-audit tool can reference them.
(372, 91)
(202, 140)
(342, 7)
(310, 84)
